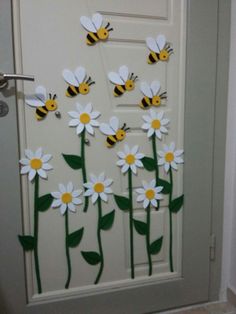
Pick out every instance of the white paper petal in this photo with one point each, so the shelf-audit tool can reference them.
(126, 149)
(103, 197)
(146, 203)
(139, 156)
(94, 197)
(47, 167)
(124, 168)
(101, 177)
(93, 178)
(166, 167)
(76, 201)
(161, 153)
(62, 188)
(146, 126)
(108, 190)
(89, 192)
(29, 154)
(88, 185)
(79, 128)
(178, 152)
(94, 123)
(89, 129)
(38, 153)
(172, 146)
(139, 164)
(173, 165)
(95, 114)
(79, 107)
(74, 122)
(56, 203)
(76, 193)
(147, 119)
(71, 207)
(56, 194)
(121, 155)
(25, 169)
(73, 114)
(161, 162)
(133, 168)
(32, 174)
(120, 162)
(158, 134)
(153, 183)
(108, 182)
(25, 161)
(150, 132)
(154, 202)
(70, 187)
(88, 108)
(134, 150)
(140, 191)
(140, 198)
(46, 157)
(179, 160)
(42, 173)
(63, 208)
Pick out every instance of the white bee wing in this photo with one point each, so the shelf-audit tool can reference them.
(80, 74)
(69, 77)
(124, 72)
(88, 24)
(41, 93)
(161, 41)
(145, 89)
(33, 101)
(97, 20)
(115, 78)
(106, 129)
(114, 123)
(152, 45)
(155, 87)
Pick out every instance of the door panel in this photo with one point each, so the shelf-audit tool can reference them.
(45, 55)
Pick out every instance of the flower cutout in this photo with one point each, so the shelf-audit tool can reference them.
(149, 194)
(35, 163)
(84, 118)
(98, 187)
(155, 123)
(170, 157)
(130, 159)
(66, 198)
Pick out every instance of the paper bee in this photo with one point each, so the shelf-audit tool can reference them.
(78, 82)
(114, 132)
(151, 94)
(94, 26)
(123, 80)
(42, 102)
(160, 50)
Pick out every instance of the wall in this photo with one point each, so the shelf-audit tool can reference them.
(229, 236)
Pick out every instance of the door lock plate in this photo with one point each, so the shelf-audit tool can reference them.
(4, 109)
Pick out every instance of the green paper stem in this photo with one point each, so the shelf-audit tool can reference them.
(148, 240)
(67, 251)
(154, 148)
(170, 224)
(86, 198)
(36, 230)
(99, 240)
(131, 223)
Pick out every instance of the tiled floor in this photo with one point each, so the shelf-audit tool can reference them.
(210, 308)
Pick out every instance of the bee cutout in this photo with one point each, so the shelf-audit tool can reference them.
(123, 80)
(151, 94)
(42, 103)
(113, 131)
(94, 26)
(78, 82)
(160, 50)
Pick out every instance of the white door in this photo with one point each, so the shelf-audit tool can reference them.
(121, 238)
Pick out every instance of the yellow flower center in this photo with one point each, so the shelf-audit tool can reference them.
(99, 187)
(36, 163)
(66, 198)
(169, 157)
(85, 118)
(150, 194)
(156, 124)
(130, 159)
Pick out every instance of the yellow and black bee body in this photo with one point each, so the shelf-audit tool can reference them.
(151, 96)
(160, 50)
(123, 80)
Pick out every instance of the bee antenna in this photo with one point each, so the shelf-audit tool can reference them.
(110, 29)
(127, 129)
(88, 80)
(54, 96)
(91, 83)
(108, 24)
(135, 78)
(50, 96)
(123, 127)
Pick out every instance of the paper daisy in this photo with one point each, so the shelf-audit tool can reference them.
(149, 194)
(66, 198)
(155, 124)
(130, 159)
(84, 118)
(170, 157)
(35, 163)
(98, 187)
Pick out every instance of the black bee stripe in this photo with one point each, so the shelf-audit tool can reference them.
(144, 103)
(92, 38)
(151, 58)
(111, 140)
(41, 111)
(119, 90)
(72, 92)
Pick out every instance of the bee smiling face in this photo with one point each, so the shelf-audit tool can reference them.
(129, 85)
(164, 55)
(156, 100)
(120, 134)
(84, 88)
(51, 103)
(102, 33)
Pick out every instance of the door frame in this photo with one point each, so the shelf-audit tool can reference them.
(11, 287)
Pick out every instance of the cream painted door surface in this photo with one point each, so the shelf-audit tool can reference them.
(112, 256)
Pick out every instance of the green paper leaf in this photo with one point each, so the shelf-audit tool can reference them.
(176, 204)
(149, 163)
(122, 202)
(74, 161)
(107, 221)
(75, 237)
(92, 258)
(155, 247)
(140, 226)
(166, 186)
(43, 202)
(27, 242)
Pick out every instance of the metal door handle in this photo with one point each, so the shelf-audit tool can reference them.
(4, 78)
